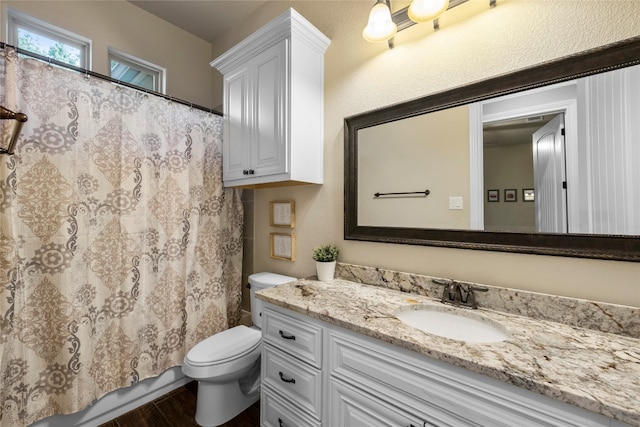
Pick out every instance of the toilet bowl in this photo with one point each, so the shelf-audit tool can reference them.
(227, 364)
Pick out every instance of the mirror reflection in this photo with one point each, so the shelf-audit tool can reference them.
(509, 150)
(427, 152)
(563, 158)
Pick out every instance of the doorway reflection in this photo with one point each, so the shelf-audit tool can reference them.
(525, 174)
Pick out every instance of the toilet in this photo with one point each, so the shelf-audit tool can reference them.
(227, 364)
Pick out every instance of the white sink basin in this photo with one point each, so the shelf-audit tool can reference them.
(456, 324)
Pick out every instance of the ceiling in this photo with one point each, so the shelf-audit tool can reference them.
(206, 19)
(513, 131)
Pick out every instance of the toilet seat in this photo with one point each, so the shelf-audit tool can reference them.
(224, 347)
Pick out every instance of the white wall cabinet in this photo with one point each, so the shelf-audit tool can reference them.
(344, 379)
(273, 105)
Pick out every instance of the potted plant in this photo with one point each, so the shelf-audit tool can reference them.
(325, 258)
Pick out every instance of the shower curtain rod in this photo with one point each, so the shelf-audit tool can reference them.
(103, 77)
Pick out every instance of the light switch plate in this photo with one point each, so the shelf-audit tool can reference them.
(455, 203)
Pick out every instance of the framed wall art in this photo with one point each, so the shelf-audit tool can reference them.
(528, 195)
(282, 246)
(511, 195)
(282, 213)
(493, 195)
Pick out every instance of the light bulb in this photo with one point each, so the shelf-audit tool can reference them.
(380, 26)
(426, 10)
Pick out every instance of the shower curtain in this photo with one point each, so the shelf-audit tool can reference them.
(119, 247)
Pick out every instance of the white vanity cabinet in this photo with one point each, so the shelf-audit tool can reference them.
(361, 381)
(273, 105)
(428, 392)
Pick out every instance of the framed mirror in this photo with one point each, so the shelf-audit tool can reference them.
(444, 180)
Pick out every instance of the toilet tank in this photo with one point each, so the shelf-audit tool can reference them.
(259, 281)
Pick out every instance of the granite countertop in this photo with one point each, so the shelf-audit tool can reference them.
(594, 370)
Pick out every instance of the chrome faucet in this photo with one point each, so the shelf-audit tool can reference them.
(459, 294)
(453, 292)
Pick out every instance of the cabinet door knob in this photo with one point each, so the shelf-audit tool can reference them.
(286, 380)
(251, 172)
(245, 172)
(287, 337)
(280, 423)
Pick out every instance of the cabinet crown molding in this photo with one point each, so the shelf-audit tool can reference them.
(289, 24)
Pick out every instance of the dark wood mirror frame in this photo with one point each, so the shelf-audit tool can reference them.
(622, 248)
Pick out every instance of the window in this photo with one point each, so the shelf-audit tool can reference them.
(136, 71)
(34, 35)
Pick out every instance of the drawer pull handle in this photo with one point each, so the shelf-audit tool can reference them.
(286, 380)
(280, 423)
(287, 337)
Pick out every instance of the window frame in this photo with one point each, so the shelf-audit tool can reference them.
(159, 73)
(17, 20)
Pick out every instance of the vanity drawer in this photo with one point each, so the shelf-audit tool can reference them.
(277, 412)
(292, 378)
(293, 335)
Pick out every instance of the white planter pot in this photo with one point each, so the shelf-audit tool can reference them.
(325, 270)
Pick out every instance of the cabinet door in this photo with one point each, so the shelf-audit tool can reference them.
(269, 137)
(237, 131)
(351, 407)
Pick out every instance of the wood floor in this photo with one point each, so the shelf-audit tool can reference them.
(178, 409)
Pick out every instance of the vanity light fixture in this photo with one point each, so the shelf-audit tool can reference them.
(380, 26)
(383, 24)
(426, 10)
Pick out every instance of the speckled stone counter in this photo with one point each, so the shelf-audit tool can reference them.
(604, 317)
(594, 370)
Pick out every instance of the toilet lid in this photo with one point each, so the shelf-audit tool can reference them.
(224, 346)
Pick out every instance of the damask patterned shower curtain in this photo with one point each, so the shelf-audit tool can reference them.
(119, 247)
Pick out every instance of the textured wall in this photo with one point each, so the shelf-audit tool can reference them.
(474, 42)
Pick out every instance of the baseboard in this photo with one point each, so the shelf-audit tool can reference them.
(119, 402)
